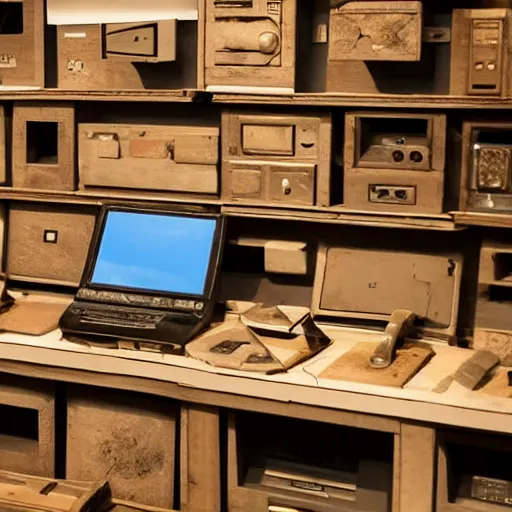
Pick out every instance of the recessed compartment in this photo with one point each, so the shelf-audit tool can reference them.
(309, 466)
(474, 472)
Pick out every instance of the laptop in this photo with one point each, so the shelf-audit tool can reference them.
(151, 276)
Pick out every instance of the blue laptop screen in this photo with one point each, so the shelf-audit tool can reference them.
(159, 252)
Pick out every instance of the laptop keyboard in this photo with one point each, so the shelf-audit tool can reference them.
(117, 317)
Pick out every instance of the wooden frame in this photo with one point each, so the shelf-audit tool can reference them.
(43, 146)
(25, 454)
(422, 182)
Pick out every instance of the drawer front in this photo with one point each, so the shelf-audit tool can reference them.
(160, 158)
(48, 243)
(292, 184)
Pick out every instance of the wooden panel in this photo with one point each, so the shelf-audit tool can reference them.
(250, 45)
(362, 31)
(48, 243)
(130, 438)
(417, 467)
(203, 460)
(3, 149)
(268, 140)
(22, 51)
(43, 146)
(27, 431)
(158, 158)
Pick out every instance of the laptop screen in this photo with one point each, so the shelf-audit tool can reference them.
(157, 252)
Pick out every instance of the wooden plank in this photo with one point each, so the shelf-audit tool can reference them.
(417, 467)
(203, 459)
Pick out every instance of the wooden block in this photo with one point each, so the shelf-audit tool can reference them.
(386, 31)
(147, 157)
(471, 373)
(497, 342)
(250, 44)
(371, 283)
(43, 146)
(89, 58)
(354, 365)
(22, 43)
(390, 169)
(27, 429)
(480, 61)
(130, 438)
(48, 243)
(282, 257)
(417, 467)
(274, 158)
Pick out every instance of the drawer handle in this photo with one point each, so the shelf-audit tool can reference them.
(285, 184)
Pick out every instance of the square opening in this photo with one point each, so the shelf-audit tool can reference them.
(42, 142)
(19, 427)
(496, 136)
(319, 464)
(503, 267)
(393, 142)
(11, 18)
(477, 473)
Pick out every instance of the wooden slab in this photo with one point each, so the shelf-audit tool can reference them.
(354, 365)
(34, 318)
(498, 385)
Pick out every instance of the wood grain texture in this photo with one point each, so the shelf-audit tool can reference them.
(24, 51)
(354, 365)
(41, 171)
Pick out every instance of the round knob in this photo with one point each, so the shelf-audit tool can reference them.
(268, 42)
(285, 184)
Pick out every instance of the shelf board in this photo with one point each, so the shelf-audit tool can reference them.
(369, 100)
(172, 96)
(348, 217)
(297, 99)
(497, 220)
(332, 215)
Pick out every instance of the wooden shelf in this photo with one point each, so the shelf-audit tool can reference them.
(297, 99)
(333, 215)
(349, 217)
(497, 220)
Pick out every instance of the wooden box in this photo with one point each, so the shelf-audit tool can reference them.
(366, 284)
(48, 243)
(493, 322)
(250, 44)
(159, 158)
(150, 55)
(480, 56)
(22, 43)
(43, 146)
(394, 162)
(389, 31)
(269, 467)
(276, 158)
(486, 166)
(27, 428)
(464, 455)
(128, 436)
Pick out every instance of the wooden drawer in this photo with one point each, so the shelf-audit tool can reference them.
(161, 158)
(270, 182)
(48, 243)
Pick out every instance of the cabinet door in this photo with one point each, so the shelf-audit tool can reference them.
(292, 184)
